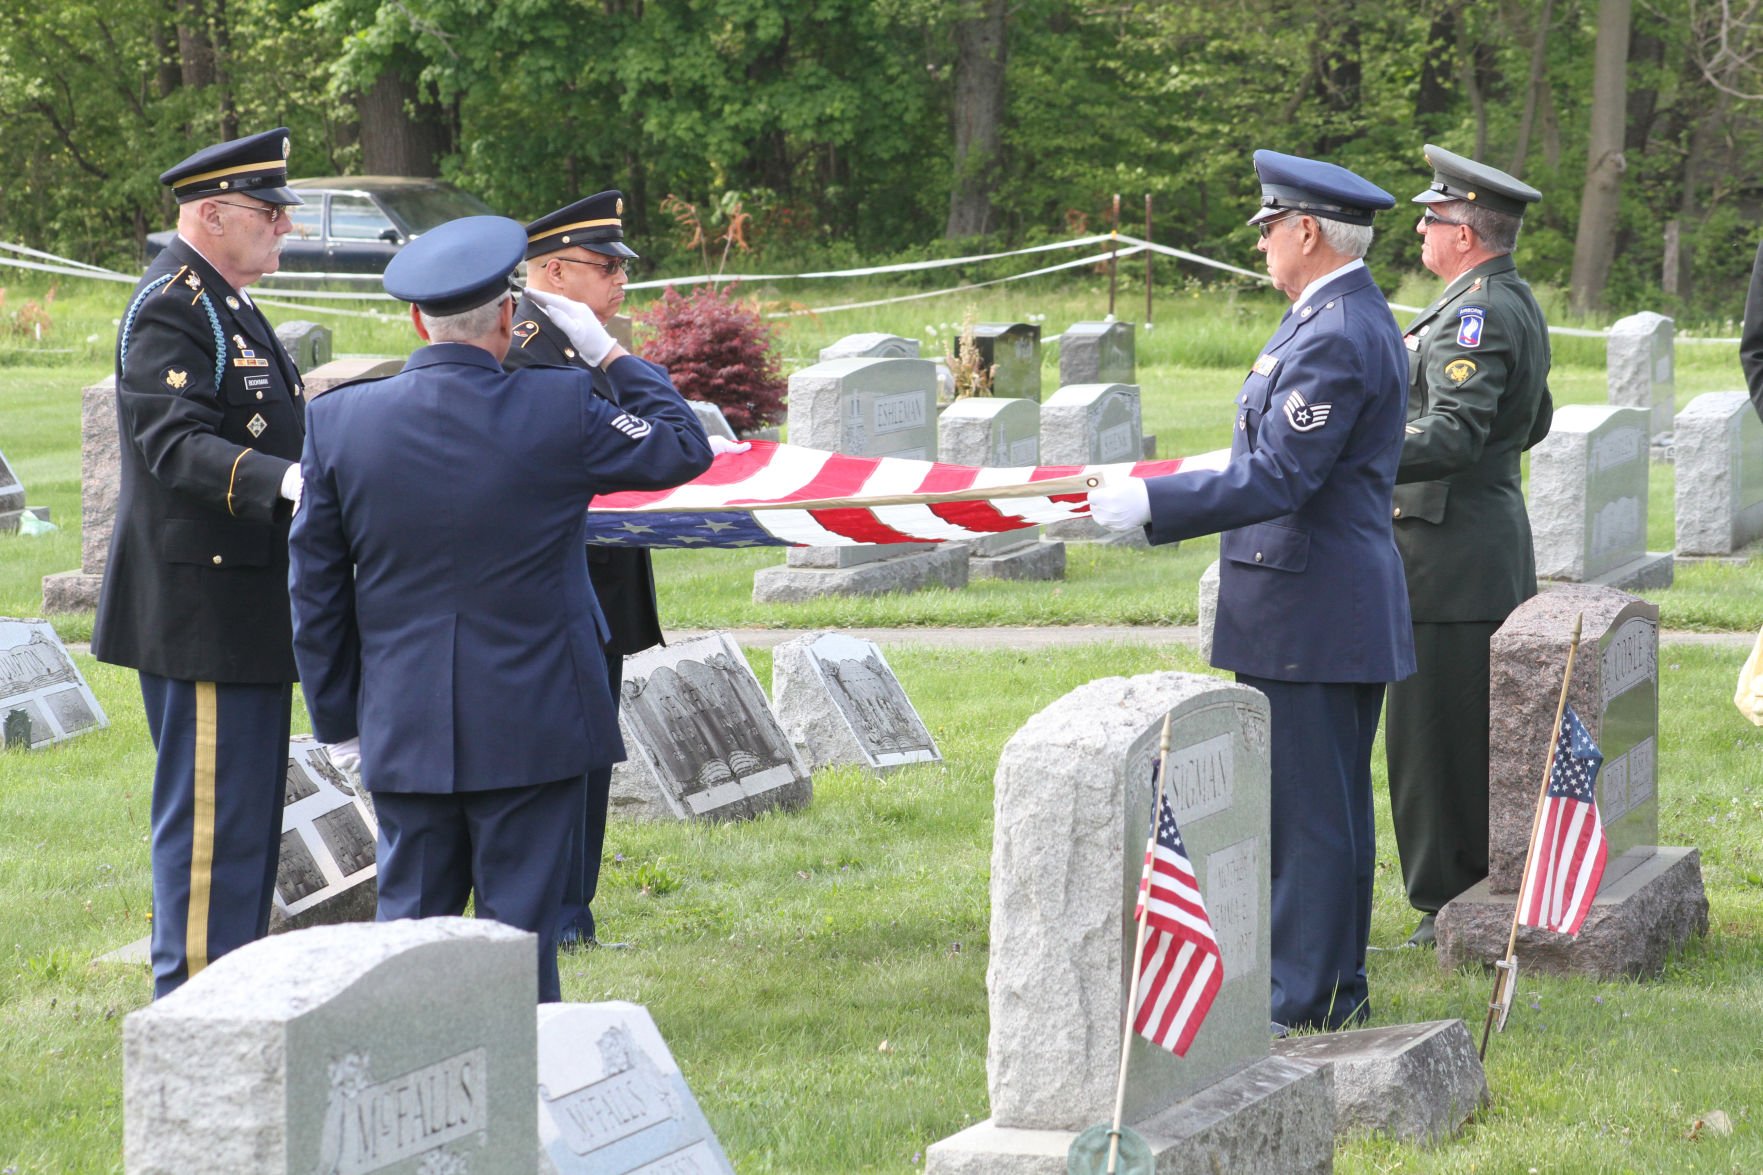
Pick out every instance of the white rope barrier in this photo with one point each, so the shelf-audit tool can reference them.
(867, 271)
(1096, 260)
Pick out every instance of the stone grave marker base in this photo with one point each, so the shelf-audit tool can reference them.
(944, 566)
(1652, 570)
(1036, 559)
(1085, 530)
(71, 591)
(1277, 1114)
(1414, 1082)
(1635, 923)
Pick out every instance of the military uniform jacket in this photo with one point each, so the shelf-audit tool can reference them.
(1478, 396)
(442, 611)
(624, 581)
(1310, 586)
(209, 417)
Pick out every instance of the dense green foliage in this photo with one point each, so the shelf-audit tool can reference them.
(832, 118)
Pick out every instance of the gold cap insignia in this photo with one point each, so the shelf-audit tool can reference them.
(566, 240)
(176, 378)
(1458, 370)
(618, 208)
(225, 184)
(194, 280)
(286, 146)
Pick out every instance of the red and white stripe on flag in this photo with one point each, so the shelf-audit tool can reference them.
(1181, 967)
(1567, 861)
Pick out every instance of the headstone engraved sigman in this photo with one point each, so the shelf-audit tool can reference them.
(43, 697)
(839, 701)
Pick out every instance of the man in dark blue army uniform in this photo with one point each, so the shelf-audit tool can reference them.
(578, 254)
(1478, 396)
(443, 615)
(195, 598)
(1312, 609)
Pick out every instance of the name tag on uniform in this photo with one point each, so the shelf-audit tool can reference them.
(253, 382)
(250, 363)
(1265, 364)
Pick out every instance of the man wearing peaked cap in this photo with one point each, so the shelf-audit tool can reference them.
(195, 596)
(1478, 396)
(578, 254)
(1312, 610)
(444, 621)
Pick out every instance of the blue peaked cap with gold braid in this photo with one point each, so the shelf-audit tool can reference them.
(1291, 183)
(256, 166)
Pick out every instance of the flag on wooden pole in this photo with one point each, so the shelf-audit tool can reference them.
(1180, 967)
(1567, 861)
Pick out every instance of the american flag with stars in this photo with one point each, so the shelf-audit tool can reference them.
(1567, 862)
(777, 495)
(1180, 967)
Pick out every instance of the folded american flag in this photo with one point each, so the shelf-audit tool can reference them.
(777, 495)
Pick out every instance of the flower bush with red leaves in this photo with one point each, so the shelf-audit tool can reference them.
(717, 349)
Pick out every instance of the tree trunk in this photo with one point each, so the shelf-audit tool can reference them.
(220, 35)
(1437, 93)
(195, 50)
(1595, 244)
(1538, 82)
(1469, 58)
(979, 116)
(400, 133)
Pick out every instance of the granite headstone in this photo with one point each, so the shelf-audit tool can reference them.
(989, 431)
(839, 703)
(871, 345)
(1097, 353)
(1639, 362)
(1092, 424)
(307, 343)
(1588, 499)
(12, 499)
(701, 738)
(1014, 349)
(344, 368)
(711, 417)
(43, 696)
(326, 871)
(100, 482)
(1717, 442)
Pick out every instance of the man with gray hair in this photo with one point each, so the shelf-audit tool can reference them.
(1478, 396)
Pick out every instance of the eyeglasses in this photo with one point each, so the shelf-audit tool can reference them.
(1428, 219)
(1266, 226)
(271, 212)
(611, 267)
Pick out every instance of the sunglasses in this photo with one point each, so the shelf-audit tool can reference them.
(271, 212)
(611, 267)
(1266, 226)
(1428, 219)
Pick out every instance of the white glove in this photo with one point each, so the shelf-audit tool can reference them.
(578, 322)
(720, 445)
(292, 484)
(346, 755)
(1121, 505)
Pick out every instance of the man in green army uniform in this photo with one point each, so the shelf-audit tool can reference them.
(1478, 396)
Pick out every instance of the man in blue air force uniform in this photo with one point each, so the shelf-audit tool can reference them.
(195, 597)
(1312, 608)
(443, 618)
(578, 255)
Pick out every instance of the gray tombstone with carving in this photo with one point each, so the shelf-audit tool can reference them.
(1588, 500)
(864, 408)
(711, 417)
(336, 1050)
(839, 703)
(702, 740)
(871, 345)
(1000, 433)
(100, 482)
(12, 497)
(345, 368)
(1073, 799)
(1014, 349)
(307, 343)
(1717, 445)
(1092, 424)
(1651, 900)
(1640, 359)
(326, 871)
(611, 1099)
(1097, 353)
(43, 696)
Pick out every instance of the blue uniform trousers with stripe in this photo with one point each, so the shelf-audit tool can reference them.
(583, 876)
(217, 817)
(508, 847)
(1324, 847)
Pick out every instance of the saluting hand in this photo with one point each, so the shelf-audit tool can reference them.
(578, 322)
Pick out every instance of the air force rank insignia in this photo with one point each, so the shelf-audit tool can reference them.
(1469, 326)
(1305, 417)
(634, 427)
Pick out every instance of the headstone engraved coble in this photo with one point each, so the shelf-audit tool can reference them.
(1000, 433)
(1097, 353)
(1588, 500)
(1092, 424)
(1639, 362)
(1014, 349)
(839, 703)
(611, 1099)
(1650, 900)
(399, 1047)
(1717, 446)
(871, 345)
(308, 343)
(43, 696)
(326, 871)
(100, 482)
(1073, 799)
(864, 408)
(12, 499)
(701, 739)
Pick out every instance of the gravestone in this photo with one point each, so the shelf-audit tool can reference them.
(988, 431)
(43, 697)
(100, 482)
(307, 343)
(344, 368)
(1208, 608)
(611, 1099)
(871, 345)
(326, 871)
(1417, 1083)
(1073, 799)
(1651, 898)
(1588, 500)
(1097, 353)
(1639, 361)
(711, 417)
(1014, 348)
(620, 327)
(1717, 443)
(12, 505)
(339, 1049)
(702, 741)
(839, 703)
(863, 408)
(1092, 424)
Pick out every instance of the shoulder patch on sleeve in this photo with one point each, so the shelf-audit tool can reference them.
(1470, 322)
(634, 427)
(1303, 416)
(524, 331)
(176, 378)
(1458, 370)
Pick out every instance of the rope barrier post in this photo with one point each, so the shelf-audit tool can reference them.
(1149, 253)
(1113, 254)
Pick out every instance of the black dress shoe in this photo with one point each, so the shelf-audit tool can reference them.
(1422, 936)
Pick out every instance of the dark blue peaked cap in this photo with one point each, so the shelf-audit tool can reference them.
(458, 266)
(1291, 183)
(256, 165)
(595, 224)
